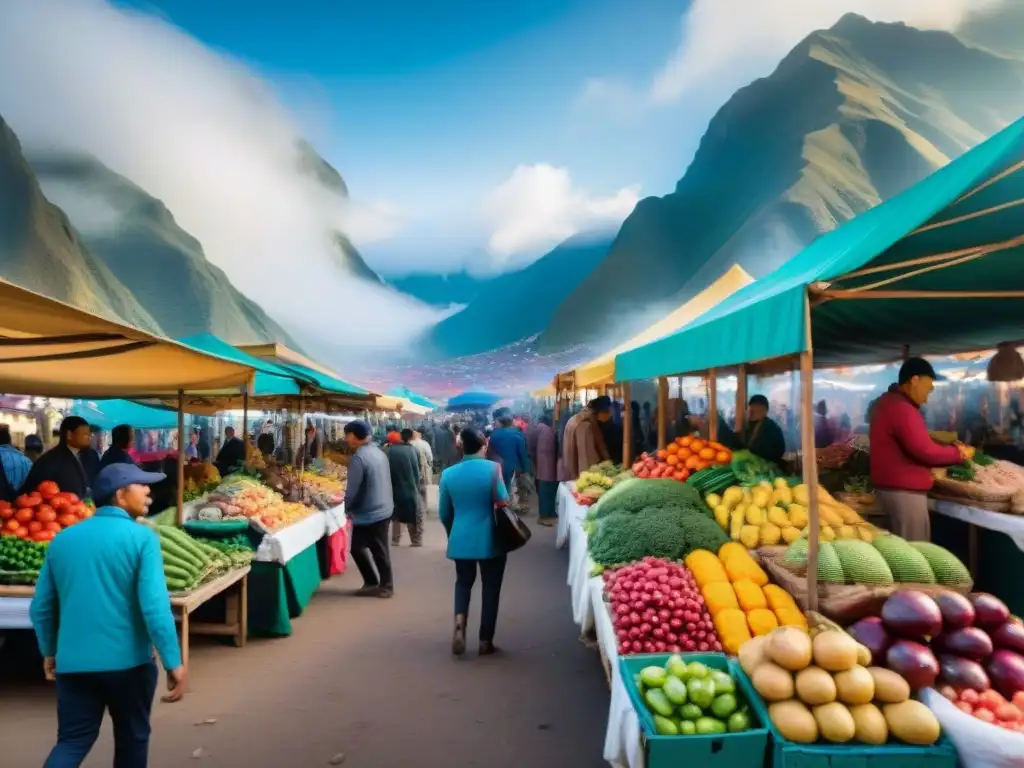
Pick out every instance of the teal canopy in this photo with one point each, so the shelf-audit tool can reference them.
(412, 397)
(107, 414)
(271, 379)
(327, 383)
(939, 268)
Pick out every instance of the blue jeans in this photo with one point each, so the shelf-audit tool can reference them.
(492, 573)
(82, 699)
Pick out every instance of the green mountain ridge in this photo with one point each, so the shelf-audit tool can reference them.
(40, 249)
(852, 116)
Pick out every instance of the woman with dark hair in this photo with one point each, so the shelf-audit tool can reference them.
(469, 493)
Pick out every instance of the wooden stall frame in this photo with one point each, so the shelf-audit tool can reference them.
(235, 586)
(627, 426)
(662, 412)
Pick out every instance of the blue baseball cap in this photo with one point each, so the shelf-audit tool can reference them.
(113, 477)
(359, 428)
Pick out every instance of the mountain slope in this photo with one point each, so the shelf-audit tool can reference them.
(442, 290)
(40, 250)
(852, 116)
(163, 266)
(519, 304)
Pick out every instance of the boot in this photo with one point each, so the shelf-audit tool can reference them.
(487, 648)
(459, 636)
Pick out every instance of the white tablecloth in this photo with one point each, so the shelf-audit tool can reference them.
(283, 545)
(14, 613)
(568, 511)
(623, 747)
(579, 577)
(1011, 525)
(336, 519)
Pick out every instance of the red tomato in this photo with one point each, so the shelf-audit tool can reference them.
(53, 526)
(21, 533)
(970, 696)
(643, 474)
(29, 500)
(984, 715)
(991, 700)
(662, 455)
(48, 489)
(12, 525)
(79, 510)
(45, 513)
(1008, 713)
(35, 526)
(4, 504)
(43, 536)
(89, 511)
(6, 513)
(685, 474)
(72, 497)
(67, 520)
(24, 515)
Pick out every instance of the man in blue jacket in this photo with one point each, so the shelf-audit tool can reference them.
(507, 446)
(369, 502)
(100, 606)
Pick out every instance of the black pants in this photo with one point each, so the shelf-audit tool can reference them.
(370, 549)
(83, 697)
(492, 572)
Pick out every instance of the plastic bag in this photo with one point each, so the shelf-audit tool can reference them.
(979, 744)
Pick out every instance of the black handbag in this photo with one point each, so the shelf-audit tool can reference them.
(510, 532)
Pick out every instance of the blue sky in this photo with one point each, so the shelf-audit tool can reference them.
(427, 106)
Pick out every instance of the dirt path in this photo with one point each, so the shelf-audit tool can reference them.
(375, 680)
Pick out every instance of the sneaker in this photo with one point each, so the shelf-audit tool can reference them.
(368, 590)
(487, 648)
(384, 592)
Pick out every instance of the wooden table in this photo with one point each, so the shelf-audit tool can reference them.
(17, 590)
(235, 625)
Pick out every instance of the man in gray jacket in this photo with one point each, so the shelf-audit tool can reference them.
(369, 503)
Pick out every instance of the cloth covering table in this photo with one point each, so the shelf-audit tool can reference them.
(283, 545)
(14, 613)
(567, 510)
(579, 576)
(1011, 525)
(623, 746)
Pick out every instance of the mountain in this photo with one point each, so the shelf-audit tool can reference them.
(852, 116)
(442, 290)
(161, 264)
(519, 304)
(40, 250)
(998, 28)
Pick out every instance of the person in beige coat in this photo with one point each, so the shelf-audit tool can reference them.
(582, 444)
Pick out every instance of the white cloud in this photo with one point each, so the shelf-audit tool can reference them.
(208, 137)
(538, 206)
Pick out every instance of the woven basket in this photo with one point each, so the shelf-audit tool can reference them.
(949, 487)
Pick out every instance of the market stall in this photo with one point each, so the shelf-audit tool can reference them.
(762, 552)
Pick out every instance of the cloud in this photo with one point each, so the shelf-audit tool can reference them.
(538, 206)
(208, 137)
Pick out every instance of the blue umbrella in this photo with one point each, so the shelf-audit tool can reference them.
(470, 400)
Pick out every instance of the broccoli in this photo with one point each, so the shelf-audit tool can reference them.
(624, 537)
(702, 533)
(631, 496)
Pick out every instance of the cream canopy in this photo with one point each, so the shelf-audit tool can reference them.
(601, 370)
(50, 348)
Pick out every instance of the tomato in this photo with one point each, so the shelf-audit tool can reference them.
(4, 504)
(24, 515)
(685, 474)
(67, 519)
(53, 525)
(716, 446)
(73, 498)
(21, 533)
(12, 525)
(1008, 713)
(723, 457)
(662, 455)
(29, 500)
(970, 696)
(984, 715)
(6, 513)
(991, 700)
(46, 514)
(35, 526)
(701, 465)
(48, 489)
(88, 512)
(643, 474)
(79, 510)
(671, 448)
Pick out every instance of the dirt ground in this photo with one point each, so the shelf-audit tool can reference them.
(374, 681)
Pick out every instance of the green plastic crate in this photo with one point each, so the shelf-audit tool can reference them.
(789, 754)
(728, 750)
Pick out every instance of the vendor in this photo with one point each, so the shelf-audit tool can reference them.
(231, 456)
(61, 464)
(122, 437)
(761, 435)
(903, 453)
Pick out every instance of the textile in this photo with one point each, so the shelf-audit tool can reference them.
(469, 491)
(507, 446)
(371, 554)
(61, 465)
(492, 573)
(404, 465)
(368, 496)
(547, 495)
(908, 513)
(583, 444)
(902, 451)
(15, 466)
(546, 466)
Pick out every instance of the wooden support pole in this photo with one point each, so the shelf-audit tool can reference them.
(245, 423)
(810, 461)
(662, 412)
(627, 426)
(741, 398)
(181, 457)
(713, 404)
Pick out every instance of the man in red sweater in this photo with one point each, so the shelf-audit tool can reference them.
(903, 453)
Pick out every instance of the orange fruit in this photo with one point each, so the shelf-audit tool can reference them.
(671, 448)
(707, 454)
(717, 446)
(723, 457)
(684, 442)
(701, 464)
(697, 445)
(692, 462)
(662, 455)
(672, 460)
(685, 453)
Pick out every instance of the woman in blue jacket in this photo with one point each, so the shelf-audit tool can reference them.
(470, 490)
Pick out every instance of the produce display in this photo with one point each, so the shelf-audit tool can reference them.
(681, 458)
(656, 607)
(309, 487)
(772, 513)
(592, 484)
(886, 560)
(240, 495)
(188, 562)
(43, 513)
(20, 560)
(825, 689)
(983, 478)
(951, 640)
(637, 518)
(738, 596)
(200, 479)
(692, 699)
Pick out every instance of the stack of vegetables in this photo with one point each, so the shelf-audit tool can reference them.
(20, 560)
(739, 598)
(636, 518)
(986, 479)
(188, 562)
(772, 512)
(965, 643)
(682, 458)
(692, 699)
(888, 559)
(656, 607)
(201, 479)
(240, 495)
(825, 689)
(43, 513)
(592, 484)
